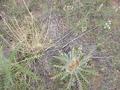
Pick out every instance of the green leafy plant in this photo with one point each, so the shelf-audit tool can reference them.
(14, 75)
(73, 67)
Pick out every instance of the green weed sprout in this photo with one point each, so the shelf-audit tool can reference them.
(73, 67)
(14, 75)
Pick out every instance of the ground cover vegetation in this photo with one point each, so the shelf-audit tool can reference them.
(59, 45)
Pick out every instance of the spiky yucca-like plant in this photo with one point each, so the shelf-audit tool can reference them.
(73, 67)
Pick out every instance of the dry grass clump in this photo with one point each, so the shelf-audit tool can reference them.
(27, 35)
